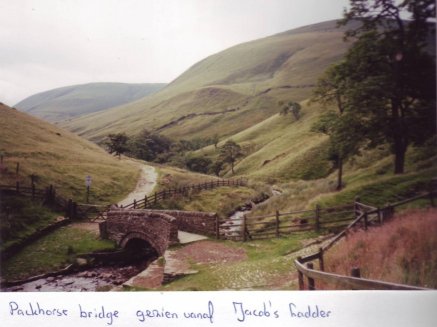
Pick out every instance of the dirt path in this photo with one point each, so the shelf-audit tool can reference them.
(145, 185)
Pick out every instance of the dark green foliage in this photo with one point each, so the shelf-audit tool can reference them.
(291, 107)
(117, 143)
(199, 164)
(390, 73)
(217, 167)
(342, 127)
(148, 146)
(230, 152)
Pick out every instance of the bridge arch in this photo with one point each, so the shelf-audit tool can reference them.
(159, 230)
(130, 241)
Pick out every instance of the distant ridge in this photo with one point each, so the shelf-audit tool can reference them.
(252, 77)
(77, 100)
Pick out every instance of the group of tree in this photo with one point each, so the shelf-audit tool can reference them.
(384, 90)
(290, 107)
(154, 147)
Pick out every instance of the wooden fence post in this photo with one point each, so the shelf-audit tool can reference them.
(145, 201)
(311, 284)
(356, 272)
(356, 207)
(317, 223)
(300, 277)
(277, 223)
(321, 261)
(17, 187)
(33, 191)
(379, 213)
(244, 228)
(366, 222)
(135, 203)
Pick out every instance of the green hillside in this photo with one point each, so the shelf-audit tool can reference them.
(77, 100)
(229, 91)
(60, 158)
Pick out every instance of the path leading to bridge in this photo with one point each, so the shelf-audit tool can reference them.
(145, 185)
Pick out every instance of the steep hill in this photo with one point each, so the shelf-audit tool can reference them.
(229, 91)
(77, 100)
(60, 158)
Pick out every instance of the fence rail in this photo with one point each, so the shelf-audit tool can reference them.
(153, 199)
(243, 227)
(49, 197)
(355, 281)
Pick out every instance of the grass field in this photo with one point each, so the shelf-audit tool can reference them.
(52, 253)
(60, 158)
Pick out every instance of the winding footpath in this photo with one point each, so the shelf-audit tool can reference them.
(145, 185)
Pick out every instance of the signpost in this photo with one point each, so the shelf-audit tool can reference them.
(88, 185)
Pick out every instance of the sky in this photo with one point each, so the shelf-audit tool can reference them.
(46, 44)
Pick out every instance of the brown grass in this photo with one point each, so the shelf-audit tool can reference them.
(403, 250)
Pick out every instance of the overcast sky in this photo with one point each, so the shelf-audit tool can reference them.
(45, 44)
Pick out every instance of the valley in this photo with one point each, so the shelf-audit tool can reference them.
(225, 119)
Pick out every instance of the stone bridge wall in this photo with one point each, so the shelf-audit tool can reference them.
(203, 223)
(158, 229)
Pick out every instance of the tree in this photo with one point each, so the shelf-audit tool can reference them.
(216, 167)
(391, 75)
(199, 164)
(341, 126)
(291, 107)
(229, 153)
(148, 146)
(117, 143)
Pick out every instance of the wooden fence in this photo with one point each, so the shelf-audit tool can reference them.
(243, 228)
(365, 215)
(50, 198)
(152, 200)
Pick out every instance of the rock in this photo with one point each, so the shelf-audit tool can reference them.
(50, 279)
(81, 262)
(38, 287)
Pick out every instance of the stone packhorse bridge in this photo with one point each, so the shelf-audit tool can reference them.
(156, 228)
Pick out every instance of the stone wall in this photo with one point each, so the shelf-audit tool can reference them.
(203, 223)
(158, 229)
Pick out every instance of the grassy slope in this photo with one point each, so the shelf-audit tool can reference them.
(72, 101)
(60, 158)
(404, 250)
(251, 77)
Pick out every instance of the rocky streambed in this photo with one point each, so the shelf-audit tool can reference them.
(93, 279)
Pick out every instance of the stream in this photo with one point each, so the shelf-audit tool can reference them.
(234, 223)
(109, 276)
(96, 278)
